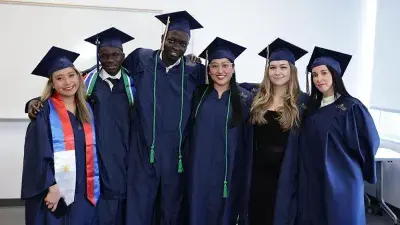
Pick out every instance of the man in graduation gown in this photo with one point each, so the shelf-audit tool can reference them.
(111, 94)
(165, 81)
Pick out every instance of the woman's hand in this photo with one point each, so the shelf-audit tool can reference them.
(53, 197)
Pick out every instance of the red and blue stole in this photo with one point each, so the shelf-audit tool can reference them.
(64, 152)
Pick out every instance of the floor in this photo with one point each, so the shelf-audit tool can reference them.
(15, 216)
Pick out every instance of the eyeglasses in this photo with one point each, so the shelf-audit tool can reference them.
(216, 66)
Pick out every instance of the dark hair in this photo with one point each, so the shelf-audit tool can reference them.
(316, 96)
(237, 111)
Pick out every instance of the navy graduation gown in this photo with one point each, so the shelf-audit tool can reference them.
(112, 112)
(38, 174)
(286, 199)
(145, 178)
(337, 148)
(112, 123)
(207, 162)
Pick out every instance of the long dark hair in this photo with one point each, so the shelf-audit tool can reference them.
(316, 96)
(237, 111)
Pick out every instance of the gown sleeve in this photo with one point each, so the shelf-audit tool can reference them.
(130, 62)
(248, 145)
(38, 164)
(362, 137)
(286, 199)
(248, 171)
(27, 103)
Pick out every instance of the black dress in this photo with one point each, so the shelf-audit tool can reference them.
(269, 146)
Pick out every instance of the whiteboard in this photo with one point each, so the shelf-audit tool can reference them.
(30, 29)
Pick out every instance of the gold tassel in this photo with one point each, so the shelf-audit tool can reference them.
(307, 83)
(165, 34)
(206, 63)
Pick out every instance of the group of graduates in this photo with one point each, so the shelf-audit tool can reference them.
(159, 138)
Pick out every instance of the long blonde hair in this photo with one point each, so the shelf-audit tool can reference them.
(80, 96)
(289, 113)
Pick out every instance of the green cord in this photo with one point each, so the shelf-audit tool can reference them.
(226, 191)
(180, 165)
(152, 151)
(198, 106)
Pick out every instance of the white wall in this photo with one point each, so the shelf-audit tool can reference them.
(336, 24)
(386, 57)
(48, 32)
(12, 136)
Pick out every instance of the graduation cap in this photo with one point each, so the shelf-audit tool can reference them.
(55, 59)
(337, 60)
(220, 48)
(111, 37)
(282, 50)
(181, 21)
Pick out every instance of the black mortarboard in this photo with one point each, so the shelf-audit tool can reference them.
(55, 59)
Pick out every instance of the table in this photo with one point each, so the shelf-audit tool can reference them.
(384, 155)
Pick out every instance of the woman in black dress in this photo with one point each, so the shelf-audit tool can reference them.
(275, 113)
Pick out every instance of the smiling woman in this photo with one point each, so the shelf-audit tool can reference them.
(60, 179)
(275, 113)
(221, 71)
(221, 142)
(279, 72)
(338, 141)
(68, 83)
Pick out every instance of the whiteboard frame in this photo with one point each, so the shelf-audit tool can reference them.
(96, 7)
(60, 5)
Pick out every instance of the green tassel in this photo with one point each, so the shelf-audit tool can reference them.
(225, 189)
(180, 165)
(152, 155)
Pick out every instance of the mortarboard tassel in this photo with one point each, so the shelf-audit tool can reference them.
(165, 34)
(206, 63)
(97, 54)
(225, 189)
(267, 60)
(307, 83)
(152, 154)
(180, 165)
